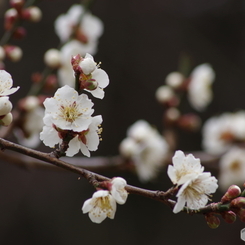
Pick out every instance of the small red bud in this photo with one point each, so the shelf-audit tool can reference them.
(19, 33)
(190, 122)
(17, 4)
(212, 221)
(229, 217)
(232, 192)
(75, 60)
(241, 214)
(238, 202)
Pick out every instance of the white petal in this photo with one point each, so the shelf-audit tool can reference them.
(74, 147)
(101, 77)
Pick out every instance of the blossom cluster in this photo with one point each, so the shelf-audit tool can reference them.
(195, 186)
(104, 202)
(146, 148)
(6, 83)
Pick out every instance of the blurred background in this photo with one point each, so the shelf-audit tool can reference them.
(142, 43)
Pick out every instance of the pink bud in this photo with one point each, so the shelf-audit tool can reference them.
(238, 202)
(232, 192)
(241, 214)
(19, 32)
(190, 122)
(75, 60)
(229, 217)
(17, 4)
(14, 53)
(212, 221)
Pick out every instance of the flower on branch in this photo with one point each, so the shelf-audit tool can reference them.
(100, 206)
(6, 83)
(118, 191)
(199, 92)
(195, 185)
(146, 148)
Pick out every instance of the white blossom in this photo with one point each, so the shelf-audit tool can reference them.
(6, 82)
(5, 105)
(195, 185)
(118, 191)
(220, 132)
(199, 90)
(90, 26)
(232, 168)
(87, 140)
(67, 110)
(146, 147)
(100, 206)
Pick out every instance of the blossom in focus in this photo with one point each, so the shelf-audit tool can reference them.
(90, 27)
(199, 89)
(87, 140)
(6, 83)
(146, 148)
(68, 111)
(221, 132)
(118, 191)
(91, 72)
(100, 206)
(232, 168)
(195, 185)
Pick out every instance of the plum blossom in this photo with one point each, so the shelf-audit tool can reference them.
(90, 27)
(221, 132)
(68, 111)
(232, 168)
(118, 191)
(6, 82)
(91, 72)
(100, 206)
(199, 92)
(146, 148)
(195, 185)
(87, 140)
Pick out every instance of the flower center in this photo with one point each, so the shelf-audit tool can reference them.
(104, 203)
(70, 113)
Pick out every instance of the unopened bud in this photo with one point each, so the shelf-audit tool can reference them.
(164, 94)
(29, 103)
(172, 115)
(7, 119)
(33, 14)
(5, 105)
(212, 221)
(232, 192)
(17, 4)
(241, 214)
(75, 60)
(11, 15)
(229, 217)
(190, 122)
(89, 85)
(19, 32)
(52, 58)
(238, 202)
(14, 53)
(175, 80)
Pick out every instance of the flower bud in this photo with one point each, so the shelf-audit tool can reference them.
(52, 58)
(190, 122)
(232, 192)
(229, 217)
(175, 80)
(75, 60)
(5, 105)
(212, 221)
(33, 14)
(29, 103)
(11, 15)
(14, 53)
(171, 115)
(19, 32)
(241, 214)
(238, 202)
(89, 84)
(164, 94)
(17, 4)
(7, 119)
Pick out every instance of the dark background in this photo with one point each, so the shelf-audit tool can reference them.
(141, 44)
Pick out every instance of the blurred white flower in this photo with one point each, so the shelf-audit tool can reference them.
(90, 28)
(221, 132)
(175, 79)
(87, 140)
(100, 206)
(118, 191)
(6, 82)
(199, 89)
(68, 111)
(146, 147)
(232, 168)
(164, 94)
(196, 185)
(5, 105)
